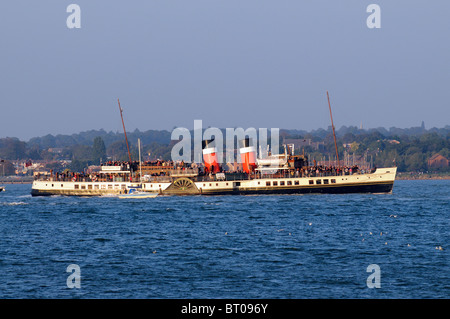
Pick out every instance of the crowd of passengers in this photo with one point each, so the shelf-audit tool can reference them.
(311, 171)
(329, 171)
(134, 165)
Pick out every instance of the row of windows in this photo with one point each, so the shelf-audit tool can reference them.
(325, 181)
(283, 183)
(103, 186)
(97, 186)
(151, 186)
(268, 183)
(217, 184)
(286, 183)
(296, 182)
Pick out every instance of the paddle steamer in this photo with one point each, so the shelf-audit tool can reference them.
(275, 174)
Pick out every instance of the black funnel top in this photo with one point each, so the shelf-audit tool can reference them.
(208, 144)
(245, 142)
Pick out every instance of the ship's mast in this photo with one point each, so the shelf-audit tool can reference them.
(126, 139)
(334, 134)
(140, 161)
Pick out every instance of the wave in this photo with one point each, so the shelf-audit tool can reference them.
(24, 196)
(13, 203)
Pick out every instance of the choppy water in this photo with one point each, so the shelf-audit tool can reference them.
(311, 246)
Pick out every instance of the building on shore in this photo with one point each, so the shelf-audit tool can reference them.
(438, 161)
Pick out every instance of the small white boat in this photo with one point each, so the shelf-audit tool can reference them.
(2, 189)
(134, 193)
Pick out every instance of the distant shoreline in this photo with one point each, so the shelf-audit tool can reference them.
(16, 180)
(9, 183)
(399, 177)
(413, 177)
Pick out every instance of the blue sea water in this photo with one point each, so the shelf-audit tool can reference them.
(289, 247)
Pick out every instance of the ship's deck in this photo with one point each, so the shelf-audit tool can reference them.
(379, 181)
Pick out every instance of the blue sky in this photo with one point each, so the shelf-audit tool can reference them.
(233, 63)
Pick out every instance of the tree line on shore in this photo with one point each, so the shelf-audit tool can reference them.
(408, 149)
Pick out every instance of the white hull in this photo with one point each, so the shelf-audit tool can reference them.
(380, 181)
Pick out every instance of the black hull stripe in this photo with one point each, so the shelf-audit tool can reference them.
(347, 189)
(381, 187)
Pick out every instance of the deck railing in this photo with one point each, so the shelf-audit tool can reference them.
(171, 174)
